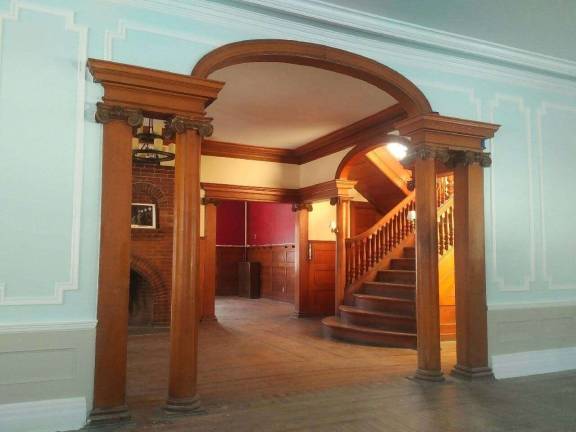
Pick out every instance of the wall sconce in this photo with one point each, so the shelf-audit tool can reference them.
(411, 215)
(333, 227)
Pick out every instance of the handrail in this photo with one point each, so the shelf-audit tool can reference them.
(365, 250)
(385, 219)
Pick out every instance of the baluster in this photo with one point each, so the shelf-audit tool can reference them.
(440, 236)
(381, 240)
(375, 248)
(356, 260)
(451, 226)
(348, 262)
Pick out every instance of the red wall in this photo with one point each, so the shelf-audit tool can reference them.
(270, 223)
(230, 223)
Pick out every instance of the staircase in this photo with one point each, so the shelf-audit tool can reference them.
(380, 301)
(384, 310)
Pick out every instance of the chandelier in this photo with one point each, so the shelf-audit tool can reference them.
(146, 151)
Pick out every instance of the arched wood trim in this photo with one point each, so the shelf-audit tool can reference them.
(319, 56)
(361, 149)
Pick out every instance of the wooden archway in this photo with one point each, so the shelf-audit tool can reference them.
(319, 56)
(360, 150)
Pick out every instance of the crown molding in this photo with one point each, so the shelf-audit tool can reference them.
(244, 151)
(249, 193)
(424, 37)
(367, 129)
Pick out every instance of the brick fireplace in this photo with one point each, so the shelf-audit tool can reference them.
(151, 262)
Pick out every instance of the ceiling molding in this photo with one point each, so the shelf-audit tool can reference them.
(367, 129)
(377, 124)
(242, 151)
(424, 37)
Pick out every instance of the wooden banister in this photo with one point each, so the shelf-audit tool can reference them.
(365, 251)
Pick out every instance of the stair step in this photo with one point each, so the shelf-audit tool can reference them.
(397, 276)
(391, 305)
(403, 264)
(384, 321)
(386, 289)
(335, 328)
(410, 252)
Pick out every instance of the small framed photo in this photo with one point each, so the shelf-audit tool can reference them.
(143, 216)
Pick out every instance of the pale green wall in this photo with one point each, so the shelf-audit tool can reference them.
(49, 265)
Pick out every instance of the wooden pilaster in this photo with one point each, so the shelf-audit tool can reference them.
(209, 288)
(114, 273)
(301, 300)
(342, 219)
(470, 274)
(427, 294)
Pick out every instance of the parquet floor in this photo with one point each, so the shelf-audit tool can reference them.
(261, 369)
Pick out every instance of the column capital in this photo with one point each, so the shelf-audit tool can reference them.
(424, 152)
(339, 200)
(301, 206)
(213, 201)
(467, 157)
(106, 113)
(180, 124)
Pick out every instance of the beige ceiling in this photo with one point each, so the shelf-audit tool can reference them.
(285, 106)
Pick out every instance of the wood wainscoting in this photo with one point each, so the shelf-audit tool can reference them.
(277, 270)
(363, 216)
(321, 278)
(227, 259)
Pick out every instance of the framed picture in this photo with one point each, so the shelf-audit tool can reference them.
(143, 216)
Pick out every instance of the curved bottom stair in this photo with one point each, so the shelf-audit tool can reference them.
(384, 311)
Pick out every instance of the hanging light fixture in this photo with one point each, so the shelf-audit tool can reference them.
(146, 152)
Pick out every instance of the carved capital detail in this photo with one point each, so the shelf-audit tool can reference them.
(301, 206)
(179, 125)
(339, 200)
(469, 158)
(425, 152)
(208, 200)
(107, 113)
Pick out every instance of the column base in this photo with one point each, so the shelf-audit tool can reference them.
(106, 416)
(184, 406)
(471, 373)
(428, 375)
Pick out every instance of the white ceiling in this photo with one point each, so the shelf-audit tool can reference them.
(285, 106)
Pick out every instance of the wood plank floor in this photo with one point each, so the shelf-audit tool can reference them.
(263, 370)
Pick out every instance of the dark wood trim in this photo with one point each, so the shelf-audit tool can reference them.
(243, 151)
(249, 193)
(327, 190)
(322, 191)
(363, 132)
(209, 287)
(399, 87)
(368, 130)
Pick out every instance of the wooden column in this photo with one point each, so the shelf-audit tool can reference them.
(301, 300)
(470, 273)
(182, 396)
(114, 274)
(427, 295)
(209, 288)
(342, 218)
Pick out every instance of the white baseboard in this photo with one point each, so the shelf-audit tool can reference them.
(43, 416)
(533, 362)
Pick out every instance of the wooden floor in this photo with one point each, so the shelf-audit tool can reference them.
(263, 370)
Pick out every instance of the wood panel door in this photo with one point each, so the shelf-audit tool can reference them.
(277, 270)
(321, 278)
